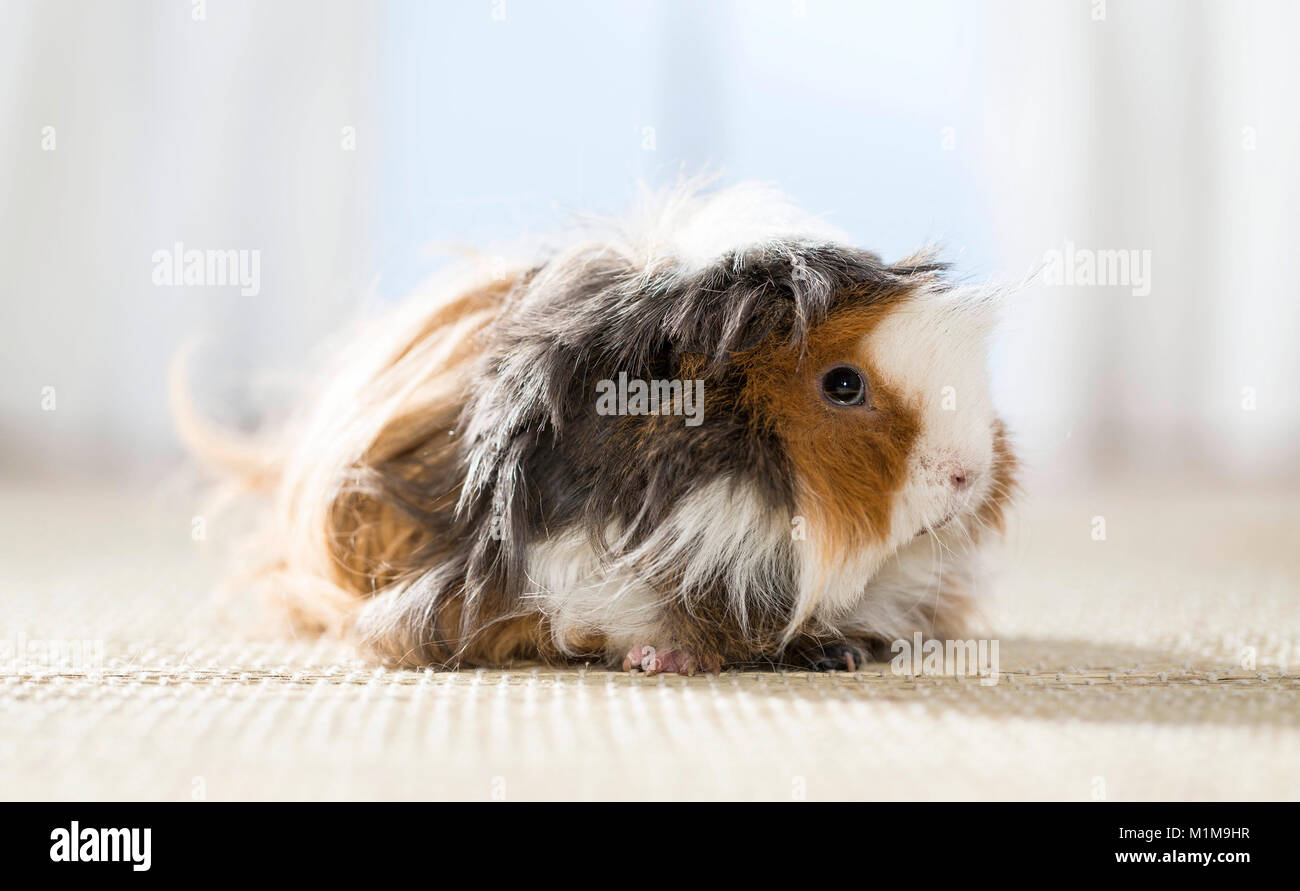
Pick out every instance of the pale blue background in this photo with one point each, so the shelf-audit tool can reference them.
(1166, 126)
(492, 128)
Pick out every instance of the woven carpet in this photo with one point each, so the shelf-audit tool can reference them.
(1158, 662)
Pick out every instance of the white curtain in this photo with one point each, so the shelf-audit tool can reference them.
(1170, 127)
(1165, 126)
(217, 125)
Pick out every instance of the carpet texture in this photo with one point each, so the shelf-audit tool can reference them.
(1159, 662)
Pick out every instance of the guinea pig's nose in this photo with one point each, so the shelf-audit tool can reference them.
(960, 477)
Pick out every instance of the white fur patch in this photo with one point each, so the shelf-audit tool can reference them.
(720, 534)
(580, 594)
(913, 583)
(697, 229)
(933, 350)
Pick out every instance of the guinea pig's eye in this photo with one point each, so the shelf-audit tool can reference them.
(845, 385)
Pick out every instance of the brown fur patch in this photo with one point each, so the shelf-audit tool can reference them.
(365, 542)
(441, 640)
(711, 634)
(849, 461)
(992, 513)
(526, 638)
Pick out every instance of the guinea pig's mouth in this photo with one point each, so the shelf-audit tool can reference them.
(929, 528)
(940, 523)
(960, 507)
(948, 518)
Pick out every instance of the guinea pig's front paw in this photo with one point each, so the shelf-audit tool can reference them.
(653, 660)
(841, 657)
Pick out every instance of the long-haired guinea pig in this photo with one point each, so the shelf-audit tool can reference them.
(719, 436)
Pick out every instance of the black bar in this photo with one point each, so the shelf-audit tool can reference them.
(644, 842)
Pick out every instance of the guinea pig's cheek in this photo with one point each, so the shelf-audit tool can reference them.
(852, 465)
(847, 462)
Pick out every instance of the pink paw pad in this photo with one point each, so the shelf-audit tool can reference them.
(654, 661)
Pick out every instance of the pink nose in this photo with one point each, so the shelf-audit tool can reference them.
(959, 476)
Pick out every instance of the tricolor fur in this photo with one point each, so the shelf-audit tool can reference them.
(454, 497)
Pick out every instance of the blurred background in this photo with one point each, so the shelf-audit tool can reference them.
(355, 146)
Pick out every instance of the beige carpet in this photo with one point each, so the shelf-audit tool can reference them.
(1122, 679)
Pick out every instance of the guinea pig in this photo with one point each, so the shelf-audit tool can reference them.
(716, 436)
